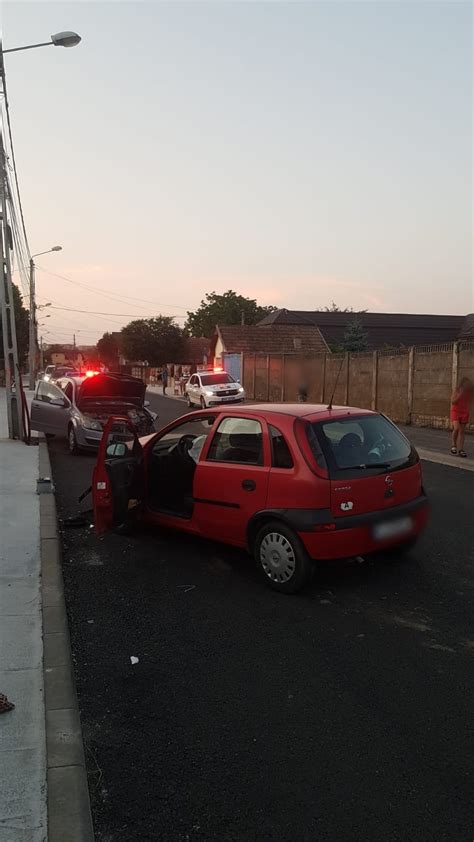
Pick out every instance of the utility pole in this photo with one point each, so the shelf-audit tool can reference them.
(10, 348)
(32, 328)
(41, 355)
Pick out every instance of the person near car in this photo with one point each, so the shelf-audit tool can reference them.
(164, 379)
(460, 411)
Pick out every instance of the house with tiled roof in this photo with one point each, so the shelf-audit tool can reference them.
(272, 339)
(384, 330)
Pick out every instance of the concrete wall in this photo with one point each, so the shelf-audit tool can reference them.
(432, 386)
(412, 385)
(392, 386)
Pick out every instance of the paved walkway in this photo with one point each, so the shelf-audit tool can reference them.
(435, 446)
(22, 731)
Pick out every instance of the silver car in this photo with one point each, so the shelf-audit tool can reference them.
(77, 408)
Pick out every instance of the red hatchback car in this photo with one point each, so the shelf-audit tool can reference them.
(291, 483)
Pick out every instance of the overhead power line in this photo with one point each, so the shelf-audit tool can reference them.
(112, 295)
(15, 172)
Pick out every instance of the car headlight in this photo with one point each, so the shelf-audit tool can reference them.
(208, 393)
(90, 423)
(241, 389)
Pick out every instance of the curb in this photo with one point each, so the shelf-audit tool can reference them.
(69, 812)
(445, 459)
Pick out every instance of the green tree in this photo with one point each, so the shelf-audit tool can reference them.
(355, 338)
(108, 349)
(334, 308)
(22, 326)
(224, 309)
(158, 340)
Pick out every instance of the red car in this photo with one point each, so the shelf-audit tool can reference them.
(291, 483)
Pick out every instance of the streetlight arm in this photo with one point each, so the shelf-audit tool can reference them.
(60, 39)
(29, 47)
(39, 253)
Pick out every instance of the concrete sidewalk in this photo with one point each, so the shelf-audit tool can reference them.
(43, 787)
(22, 731)
(435, 446)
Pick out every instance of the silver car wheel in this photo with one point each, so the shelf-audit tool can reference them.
(72, 440)
(277, 557)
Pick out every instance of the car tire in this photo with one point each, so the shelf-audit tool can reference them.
(190, 403)
(281, 558)
(203, 403)
(72, 441)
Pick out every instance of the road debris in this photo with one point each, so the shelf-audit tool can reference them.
(134, 659)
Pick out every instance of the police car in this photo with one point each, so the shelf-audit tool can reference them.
(213, 388)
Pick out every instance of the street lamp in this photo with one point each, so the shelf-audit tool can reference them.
(10, 348)
(61, 39)
(33, 343)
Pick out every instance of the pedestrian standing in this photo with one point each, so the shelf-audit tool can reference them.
(460, 411)
(164, 379)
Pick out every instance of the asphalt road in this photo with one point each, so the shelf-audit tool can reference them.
(343, 713)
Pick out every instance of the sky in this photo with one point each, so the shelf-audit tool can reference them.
(296, 152)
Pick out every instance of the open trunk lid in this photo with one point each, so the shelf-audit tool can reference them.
(119, 388)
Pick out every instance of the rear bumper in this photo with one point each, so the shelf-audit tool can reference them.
(353, 536)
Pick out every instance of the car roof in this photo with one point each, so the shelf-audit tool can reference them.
(310, 411)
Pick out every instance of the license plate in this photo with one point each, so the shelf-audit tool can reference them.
(392, 528)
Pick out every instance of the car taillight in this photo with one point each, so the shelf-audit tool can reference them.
(312, 452)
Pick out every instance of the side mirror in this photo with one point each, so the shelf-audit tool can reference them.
(146, 403)
(59, 402)
(117, 449)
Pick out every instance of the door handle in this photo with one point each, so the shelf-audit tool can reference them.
(249, 485)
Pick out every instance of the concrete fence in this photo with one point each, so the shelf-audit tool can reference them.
(411, 386)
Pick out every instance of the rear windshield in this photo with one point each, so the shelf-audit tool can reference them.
(367, 442)
(215, 379)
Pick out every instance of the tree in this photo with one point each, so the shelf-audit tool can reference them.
(22, 326)
(225, 309)
(158, 340)
(355, 338)
(334, 308)
(108, 349)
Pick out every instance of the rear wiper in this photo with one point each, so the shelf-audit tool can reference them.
(385, 465)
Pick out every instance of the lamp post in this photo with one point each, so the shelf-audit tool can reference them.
(10, 348)
(61, 39)
(33, 343)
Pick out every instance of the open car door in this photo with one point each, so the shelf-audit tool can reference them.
(118, 480)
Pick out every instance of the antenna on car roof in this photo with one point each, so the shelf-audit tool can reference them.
(329, 406)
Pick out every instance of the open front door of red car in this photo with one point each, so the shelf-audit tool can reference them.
(117, 484)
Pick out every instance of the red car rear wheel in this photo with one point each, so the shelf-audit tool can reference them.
(282, 558)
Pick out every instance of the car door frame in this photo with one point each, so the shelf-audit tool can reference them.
(210, 508)
(194, 388)
(55, 418)
(112, 477)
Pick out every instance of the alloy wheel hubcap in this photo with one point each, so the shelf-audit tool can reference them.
(277, 557)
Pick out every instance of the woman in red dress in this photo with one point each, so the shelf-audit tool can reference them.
(460, 409)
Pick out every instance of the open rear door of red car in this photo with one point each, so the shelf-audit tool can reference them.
(118, 479)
